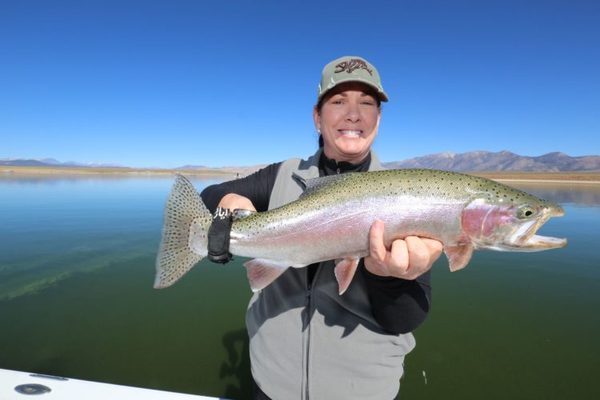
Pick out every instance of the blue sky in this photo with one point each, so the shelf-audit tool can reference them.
(170, 83)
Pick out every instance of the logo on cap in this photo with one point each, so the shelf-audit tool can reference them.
(352, 65)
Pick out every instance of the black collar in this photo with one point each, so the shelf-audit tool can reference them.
(328, 166)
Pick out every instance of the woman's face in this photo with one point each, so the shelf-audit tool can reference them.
(348, 122)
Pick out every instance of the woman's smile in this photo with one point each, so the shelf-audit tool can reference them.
(348, 121)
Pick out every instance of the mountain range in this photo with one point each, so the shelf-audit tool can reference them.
(500, 161)
(51, 162)
(470, 161)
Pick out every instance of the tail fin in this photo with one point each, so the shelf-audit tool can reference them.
(184, 234)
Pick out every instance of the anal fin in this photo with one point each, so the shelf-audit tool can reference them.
(344, 272)
(262, 272)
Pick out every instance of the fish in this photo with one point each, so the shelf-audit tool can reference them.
(332, 218)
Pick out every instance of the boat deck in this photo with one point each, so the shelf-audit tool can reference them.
(17, 385)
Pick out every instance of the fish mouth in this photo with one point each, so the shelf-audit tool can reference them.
(526, 239)
(539, 243)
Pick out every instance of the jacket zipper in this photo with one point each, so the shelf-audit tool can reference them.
(307, 349)
(309, 307)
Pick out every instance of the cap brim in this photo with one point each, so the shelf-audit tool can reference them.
(380, 93)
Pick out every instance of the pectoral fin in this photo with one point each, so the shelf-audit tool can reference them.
(344, 272)
(458, 256)
(262, 272)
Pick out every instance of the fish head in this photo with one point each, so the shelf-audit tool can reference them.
(509, 221)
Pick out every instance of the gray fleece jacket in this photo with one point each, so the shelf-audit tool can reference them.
(307, 341)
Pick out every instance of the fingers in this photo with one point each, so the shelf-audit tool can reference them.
(375, 262)
(407, 258)
(435, 248)
(377, 248)
(234, 201)
(399, 258)
(418, 252)
(422, 253)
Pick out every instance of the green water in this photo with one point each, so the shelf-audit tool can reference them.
(76, 299)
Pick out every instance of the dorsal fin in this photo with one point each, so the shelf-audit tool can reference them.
(314, 184)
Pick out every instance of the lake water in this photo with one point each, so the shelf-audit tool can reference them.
(76, 299)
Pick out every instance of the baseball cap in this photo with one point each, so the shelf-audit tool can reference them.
(350, 69)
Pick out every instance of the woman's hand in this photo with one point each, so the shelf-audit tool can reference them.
(234, 201)
(407, 258)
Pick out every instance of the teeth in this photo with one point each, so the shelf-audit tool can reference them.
(350, 133)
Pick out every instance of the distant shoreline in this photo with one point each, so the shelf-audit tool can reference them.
(15, 171)
(541, 177)
(504, 176)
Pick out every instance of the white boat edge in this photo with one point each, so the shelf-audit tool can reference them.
(59, 388)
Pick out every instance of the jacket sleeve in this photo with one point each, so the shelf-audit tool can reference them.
(257, 187)
(399, 305)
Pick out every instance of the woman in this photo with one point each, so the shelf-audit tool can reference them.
(307, 341)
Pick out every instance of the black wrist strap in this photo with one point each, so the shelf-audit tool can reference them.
(218, 236)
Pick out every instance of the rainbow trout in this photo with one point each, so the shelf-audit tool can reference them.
(331, 221)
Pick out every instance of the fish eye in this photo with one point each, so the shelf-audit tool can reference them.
(525, 212)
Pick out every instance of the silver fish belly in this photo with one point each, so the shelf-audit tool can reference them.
(331, 221)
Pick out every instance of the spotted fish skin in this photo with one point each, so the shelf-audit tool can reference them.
(331, 220)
